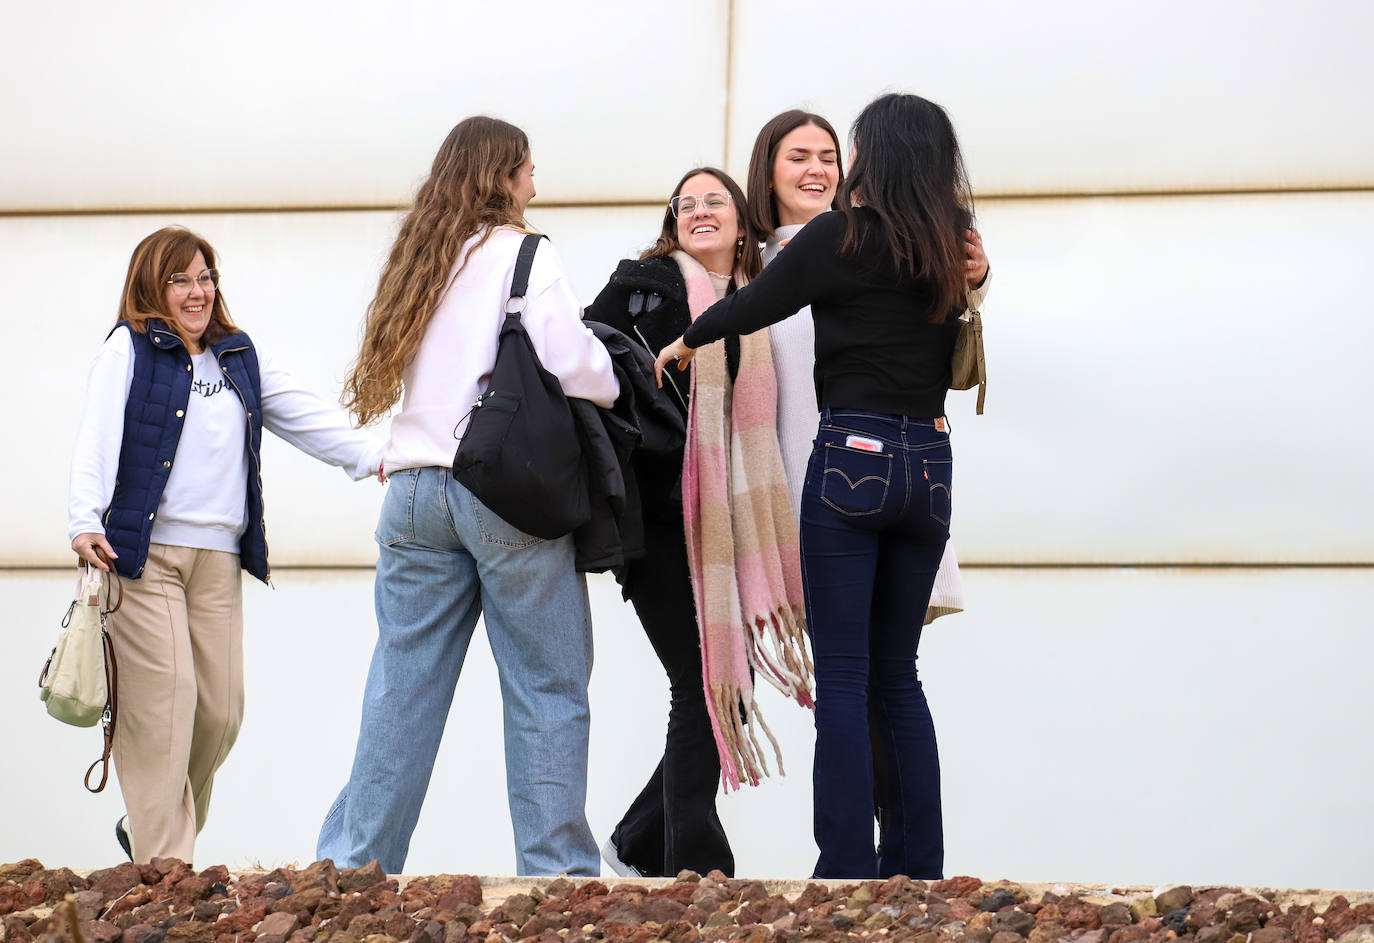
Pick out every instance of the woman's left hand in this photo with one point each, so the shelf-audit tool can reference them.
(678, 351)
(976, 268)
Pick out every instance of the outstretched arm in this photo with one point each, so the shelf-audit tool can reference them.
(317, 428)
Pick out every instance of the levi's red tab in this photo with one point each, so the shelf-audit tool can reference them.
(863, 443)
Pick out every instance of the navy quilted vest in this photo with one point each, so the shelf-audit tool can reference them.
(153, 418)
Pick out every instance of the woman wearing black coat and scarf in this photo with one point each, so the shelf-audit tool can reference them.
(673, 824)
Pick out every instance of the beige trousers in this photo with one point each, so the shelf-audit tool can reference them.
(178, 639)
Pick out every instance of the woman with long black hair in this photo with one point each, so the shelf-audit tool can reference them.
(885, 279)
(795, 175)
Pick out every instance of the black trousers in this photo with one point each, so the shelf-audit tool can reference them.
(673, 825)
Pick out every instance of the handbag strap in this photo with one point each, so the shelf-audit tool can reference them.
(111, 715)
(975, 319)
(520, 281)
(111, 582)
(108, 580)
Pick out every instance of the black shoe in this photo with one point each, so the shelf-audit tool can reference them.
(122, 834)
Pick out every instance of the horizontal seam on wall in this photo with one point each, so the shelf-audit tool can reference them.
(991, 196)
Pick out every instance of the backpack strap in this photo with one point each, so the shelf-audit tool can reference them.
(520, 281)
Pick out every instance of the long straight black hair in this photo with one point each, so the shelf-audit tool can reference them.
(907, 169)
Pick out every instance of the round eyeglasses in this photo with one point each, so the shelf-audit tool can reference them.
(181, 282)
(687, 205)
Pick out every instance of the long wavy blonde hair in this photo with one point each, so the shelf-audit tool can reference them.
(467, 193)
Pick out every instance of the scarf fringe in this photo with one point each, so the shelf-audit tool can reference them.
(736, 719)
(778, 652)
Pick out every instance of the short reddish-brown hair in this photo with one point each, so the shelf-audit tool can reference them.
(157, 258)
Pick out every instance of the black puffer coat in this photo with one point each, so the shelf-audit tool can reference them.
(646, 299)
(643, 424)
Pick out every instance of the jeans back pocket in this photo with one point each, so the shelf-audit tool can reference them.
(938, 474)
(396, 524)
(855, 482)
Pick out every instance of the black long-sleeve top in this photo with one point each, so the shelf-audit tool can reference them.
(876, 349)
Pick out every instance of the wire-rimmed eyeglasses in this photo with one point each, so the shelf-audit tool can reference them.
(687, 205)
(181, 282)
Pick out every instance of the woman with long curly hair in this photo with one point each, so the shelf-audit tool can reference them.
(444, 557)
(885, 277)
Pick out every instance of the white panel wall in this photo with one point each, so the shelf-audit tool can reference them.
(1173, 380)
(1124, 726)
(261, 103)
(1063, 96)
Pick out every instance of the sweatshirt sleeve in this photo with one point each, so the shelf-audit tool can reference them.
(786, 285)
(99, 436)
(979, 294)
(566, 347)
(317, 428)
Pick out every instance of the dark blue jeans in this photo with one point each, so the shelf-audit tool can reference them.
(874, 521)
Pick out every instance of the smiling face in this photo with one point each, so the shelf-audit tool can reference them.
(805, 173)
(191, 309)
(708, 234)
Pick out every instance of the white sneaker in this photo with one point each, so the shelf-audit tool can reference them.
(611, 856)
(122, 835)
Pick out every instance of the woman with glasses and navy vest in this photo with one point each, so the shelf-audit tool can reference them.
(166, 487)
(885, 279)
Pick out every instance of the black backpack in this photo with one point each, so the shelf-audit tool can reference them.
(520, 454)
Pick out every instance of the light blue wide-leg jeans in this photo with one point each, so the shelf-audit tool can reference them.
(444, 559)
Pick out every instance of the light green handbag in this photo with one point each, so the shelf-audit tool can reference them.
(79, 681)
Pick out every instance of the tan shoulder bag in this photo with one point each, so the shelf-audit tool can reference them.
(967, 365)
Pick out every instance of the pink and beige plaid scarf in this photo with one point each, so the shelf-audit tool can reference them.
(742, 545)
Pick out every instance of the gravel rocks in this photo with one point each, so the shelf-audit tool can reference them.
(165, 902)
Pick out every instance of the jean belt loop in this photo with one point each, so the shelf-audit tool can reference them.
(825, 415)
